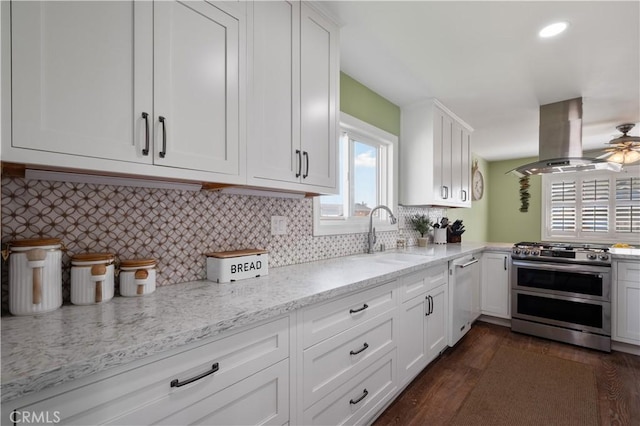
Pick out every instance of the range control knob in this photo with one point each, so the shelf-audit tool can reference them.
(535, 252)
(517, 251)
(526, 252)
(592, 256)
(604, 257)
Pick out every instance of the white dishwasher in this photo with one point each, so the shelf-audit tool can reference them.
(464, 275)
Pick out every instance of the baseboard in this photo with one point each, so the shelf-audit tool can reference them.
(495, 320)
(625, 347)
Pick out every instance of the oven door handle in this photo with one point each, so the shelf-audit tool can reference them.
(563, 267)
(469, 263)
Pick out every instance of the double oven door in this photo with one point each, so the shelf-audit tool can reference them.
(570, 296)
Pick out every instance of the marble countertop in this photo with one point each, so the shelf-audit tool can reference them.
(42, 351)
(625, 253)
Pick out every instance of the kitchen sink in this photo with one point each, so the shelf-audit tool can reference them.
(390, 258)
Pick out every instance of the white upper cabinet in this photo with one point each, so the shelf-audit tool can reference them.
(145, 83)
(435, 156)
(293, 134)
(196, 86)
(81, 77)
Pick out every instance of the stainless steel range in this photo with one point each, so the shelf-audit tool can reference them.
(562, 292)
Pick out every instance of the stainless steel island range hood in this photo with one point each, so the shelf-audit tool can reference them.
(560, 142)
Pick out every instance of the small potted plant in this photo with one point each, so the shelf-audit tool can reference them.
(422, 224)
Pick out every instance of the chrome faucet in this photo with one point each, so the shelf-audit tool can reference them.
(371, 238)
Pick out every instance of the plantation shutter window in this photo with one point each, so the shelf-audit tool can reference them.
(592, 206)
(563, 208)
(627, 210)
(595, 205)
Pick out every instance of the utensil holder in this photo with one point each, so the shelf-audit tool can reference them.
(440, 236)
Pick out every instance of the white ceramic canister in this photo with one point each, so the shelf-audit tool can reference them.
(440, 236)
(92, 278)
(137, 277)
(35, 276)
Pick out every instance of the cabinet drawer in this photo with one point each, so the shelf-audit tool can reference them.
(328, 319)
(629, 271)
(262, 398)
(420, 282)
(238, 356)
(338, 359)
(357, 400)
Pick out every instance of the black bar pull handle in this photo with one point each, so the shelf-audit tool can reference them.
(505, 263)
(164, 137)
(175, 383)
(145, 151)
(365, 392)
(299, 154)
(444, 192)
(363, 348)
(305, 154)
(355, 311)
(429, 305)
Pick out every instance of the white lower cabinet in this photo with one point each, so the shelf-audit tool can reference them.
(358, 400)
(331, 362)
(423, 321)
(495, 285)
(348, 356)
(337, 362)
(239, 379)
(626, 301)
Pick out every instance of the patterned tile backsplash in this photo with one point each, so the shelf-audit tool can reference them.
(175, 227)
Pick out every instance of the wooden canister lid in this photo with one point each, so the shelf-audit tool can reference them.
(36, 242)
(236, 253)
(137, 263)
(93, 258)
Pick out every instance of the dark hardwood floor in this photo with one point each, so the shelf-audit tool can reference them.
(438, 392)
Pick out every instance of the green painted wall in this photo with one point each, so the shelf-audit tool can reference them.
(361, 102)
(505, 221)
(476, 218)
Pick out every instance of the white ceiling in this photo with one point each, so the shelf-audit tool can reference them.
(485, 62)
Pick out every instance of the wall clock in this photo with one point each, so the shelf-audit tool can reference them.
(477, 182)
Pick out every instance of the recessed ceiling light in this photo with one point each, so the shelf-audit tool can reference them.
(553, 29)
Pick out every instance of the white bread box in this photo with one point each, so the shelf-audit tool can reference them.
(229, 266)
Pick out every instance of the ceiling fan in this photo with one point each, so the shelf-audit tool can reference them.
(624, 149)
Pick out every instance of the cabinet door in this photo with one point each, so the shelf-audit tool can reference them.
(456, 164)
(81, 77)
(628, 303)
(495, 285)
(197, 62)
(318, 98)
(436, 321)
(442, 133)
(274, 130)
(460, 166)
(262, 398)
(413, 335)
(358, 400)
(465, 168)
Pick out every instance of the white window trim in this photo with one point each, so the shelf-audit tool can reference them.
(578, 235)
(358, 225)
